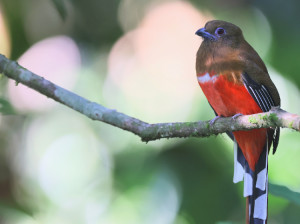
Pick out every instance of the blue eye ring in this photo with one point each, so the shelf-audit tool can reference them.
(220, 31)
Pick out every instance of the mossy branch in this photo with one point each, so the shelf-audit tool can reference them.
(148, 132)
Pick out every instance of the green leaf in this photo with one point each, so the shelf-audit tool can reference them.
(13, 206)
(6, 108)
(284, 192)
(61, 8)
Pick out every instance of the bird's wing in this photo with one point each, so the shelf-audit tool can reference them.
(256, 74)
(264, 99)
(259, 93)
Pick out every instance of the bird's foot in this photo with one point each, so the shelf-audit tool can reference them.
(235, 116)
(211, 122)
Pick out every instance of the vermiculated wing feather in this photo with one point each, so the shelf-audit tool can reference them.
(263, 98)
(259, 93)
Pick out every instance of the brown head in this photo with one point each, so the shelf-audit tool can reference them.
(222, 45)
(218, 32)
(224, 48)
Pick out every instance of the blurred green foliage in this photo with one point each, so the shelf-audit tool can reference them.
(6, 108)
(284, 192)
(61, 8)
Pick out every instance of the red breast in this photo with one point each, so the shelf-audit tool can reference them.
(228, 96)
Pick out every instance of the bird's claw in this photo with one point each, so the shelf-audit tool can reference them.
(235, 116)
(211, 122)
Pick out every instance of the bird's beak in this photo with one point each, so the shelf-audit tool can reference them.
(202, 33)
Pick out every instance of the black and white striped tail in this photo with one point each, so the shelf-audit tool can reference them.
(255, 183)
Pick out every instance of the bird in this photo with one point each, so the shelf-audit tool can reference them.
(236, 82)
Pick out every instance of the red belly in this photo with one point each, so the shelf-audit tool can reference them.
(229, 98)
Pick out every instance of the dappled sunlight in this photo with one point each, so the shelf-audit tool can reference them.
(75, 160)
(152, 67)
(68, 164)
(158, 202)
(57, 59)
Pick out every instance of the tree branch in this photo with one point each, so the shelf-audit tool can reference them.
(148, 132)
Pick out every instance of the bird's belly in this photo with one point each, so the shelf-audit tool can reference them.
(228, 98)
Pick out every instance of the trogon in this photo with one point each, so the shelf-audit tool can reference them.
(236, 82)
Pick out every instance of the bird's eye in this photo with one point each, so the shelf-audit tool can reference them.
(220, 31)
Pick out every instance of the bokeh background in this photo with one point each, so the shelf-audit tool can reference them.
(136, 56)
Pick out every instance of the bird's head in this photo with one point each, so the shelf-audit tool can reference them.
(221, 32)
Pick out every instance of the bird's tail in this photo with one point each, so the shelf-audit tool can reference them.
(255, 184)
